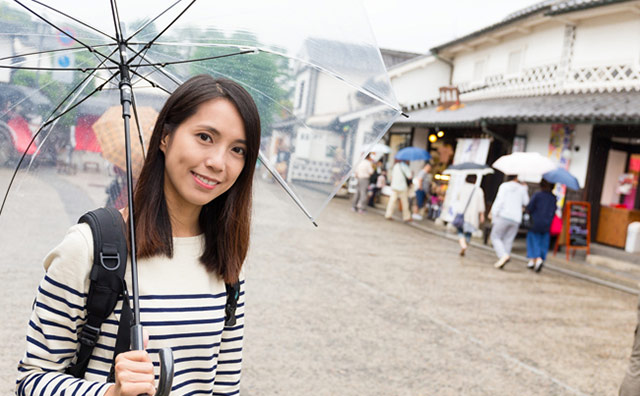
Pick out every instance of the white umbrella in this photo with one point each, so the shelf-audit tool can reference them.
(380, 148)
(529, 164)
(468, 168)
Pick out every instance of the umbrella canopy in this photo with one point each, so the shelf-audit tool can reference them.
(110, 133)
(529, 164)
(316, 76)
(413, 154)
(467, 168)
(562, 176)
(380, 148)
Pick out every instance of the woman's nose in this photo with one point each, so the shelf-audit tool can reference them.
(216, 158)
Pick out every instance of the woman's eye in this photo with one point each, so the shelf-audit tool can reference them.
(239, 150)
(204, 137)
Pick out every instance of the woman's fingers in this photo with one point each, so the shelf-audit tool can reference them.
(145, 338)
(134, 374)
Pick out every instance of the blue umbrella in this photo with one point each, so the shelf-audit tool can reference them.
(413, 154)
(562, 176)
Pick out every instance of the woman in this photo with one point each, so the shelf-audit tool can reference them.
(506, 215)
(470, 202)
(542, 209)
(192, 211)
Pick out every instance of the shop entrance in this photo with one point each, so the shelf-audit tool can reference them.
(612, 182)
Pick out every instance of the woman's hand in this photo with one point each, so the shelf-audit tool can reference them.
(134, 373)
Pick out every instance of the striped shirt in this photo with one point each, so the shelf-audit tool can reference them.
(181, 306)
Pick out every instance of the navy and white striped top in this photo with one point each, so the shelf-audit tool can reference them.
(181, 304)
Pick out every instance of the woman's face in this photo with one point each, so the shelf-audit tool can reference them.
(204, 155)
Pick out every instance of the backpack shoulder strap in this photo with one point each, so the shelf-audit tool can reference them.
(106, 279)
(233, 295)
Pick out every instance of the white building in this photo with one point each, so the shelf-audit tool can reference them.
(561, 78)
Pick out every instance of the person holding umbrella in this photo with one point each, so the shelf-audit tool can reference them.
(541, 208)
(192, 216)
(400, 175)
(506, 216)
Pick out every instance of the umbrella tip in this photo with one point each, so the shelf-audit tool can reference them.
(314, 223)
(405, 115)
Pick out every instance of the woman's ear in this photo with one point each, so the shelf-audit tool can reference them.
(163, 143)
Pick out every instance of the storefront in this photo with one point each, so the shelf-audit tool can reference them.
(612, 187)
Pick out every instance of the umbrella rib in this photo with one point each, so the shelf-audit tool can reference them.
(88, 47)
(150, 43)
(116, 20)
(163, 64)
(50, 52)
(175, 80)
(68, 69)
(153, 20)
(74, 19)
(153, 84)
(50, 121)
(137, 120)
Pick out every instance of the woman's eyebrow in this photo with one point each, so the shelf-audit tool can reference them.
(216, 132)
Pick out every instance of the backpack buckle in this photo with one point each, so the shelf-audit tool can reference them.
(89, 335)
(109, 257)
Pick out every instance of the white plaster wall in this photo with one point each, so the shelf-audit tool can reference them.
(616, 164)
(580, 159)
(421, 84)
(333, 98)
(612, 39)
(541, 46)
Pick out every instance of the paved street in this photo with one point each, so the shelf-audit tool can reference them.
(361, 305)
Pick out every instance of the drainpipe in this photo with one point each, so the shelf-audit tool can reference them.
(508, 144)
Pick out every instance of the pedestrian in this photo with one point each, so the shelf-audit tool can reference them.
(400, 174)
(192, 216)
(364, 170)
(469, 202)
(506, 216)
(542, 209)
(374, 190)
(423, 190)
(381, 182)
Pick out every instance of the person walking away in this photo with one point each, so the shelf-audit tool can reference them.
(381, 181)
(399, 190)
(542, 209)
(423, 189)
(364, 170)
(506, 216)
(373, 182)
(470, 202)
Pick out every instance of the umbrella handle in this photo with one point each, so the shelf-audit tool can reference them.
(166, 372)
(166, 362)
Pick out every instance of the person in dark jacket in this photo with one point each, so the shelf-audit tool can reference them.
(541, 209)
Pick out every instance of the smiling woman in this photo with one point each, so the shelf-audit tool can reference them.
(192, 216)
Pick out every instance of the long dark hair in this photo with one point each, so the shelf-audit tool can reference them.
(225, 221)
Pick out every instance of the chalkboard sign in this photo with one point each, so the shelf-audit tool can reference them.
(576, 230)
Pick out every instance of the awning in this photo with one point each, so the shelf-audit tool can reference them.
(604, 108)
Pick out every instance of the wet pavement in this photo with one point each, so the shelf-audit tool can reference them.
(361, 305)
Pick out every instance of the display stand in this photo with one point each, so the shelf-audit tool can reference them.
(576, 228)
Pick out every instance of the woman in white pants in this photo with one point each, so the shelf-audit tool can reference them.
(399, 190)
(506, 215)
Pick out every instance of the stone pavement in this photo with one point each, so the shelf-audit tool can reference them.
(605, 265)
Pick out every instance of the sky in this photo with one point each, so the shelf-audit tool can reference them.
(418, 25)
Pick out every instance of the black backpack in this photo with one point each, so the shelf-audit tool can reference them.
(108, 285)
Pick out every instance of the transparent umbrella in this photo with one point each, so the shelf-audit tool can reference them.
(313, 69)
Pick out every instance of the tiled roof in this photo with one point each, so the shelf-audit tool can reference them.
(576, 5)
(548, 7)
(623, 107)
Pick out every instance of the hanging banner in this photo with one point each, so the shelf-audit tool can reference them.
(560, 144)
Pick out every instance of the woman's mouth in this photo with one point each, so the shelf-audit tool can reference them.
(205, 182)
